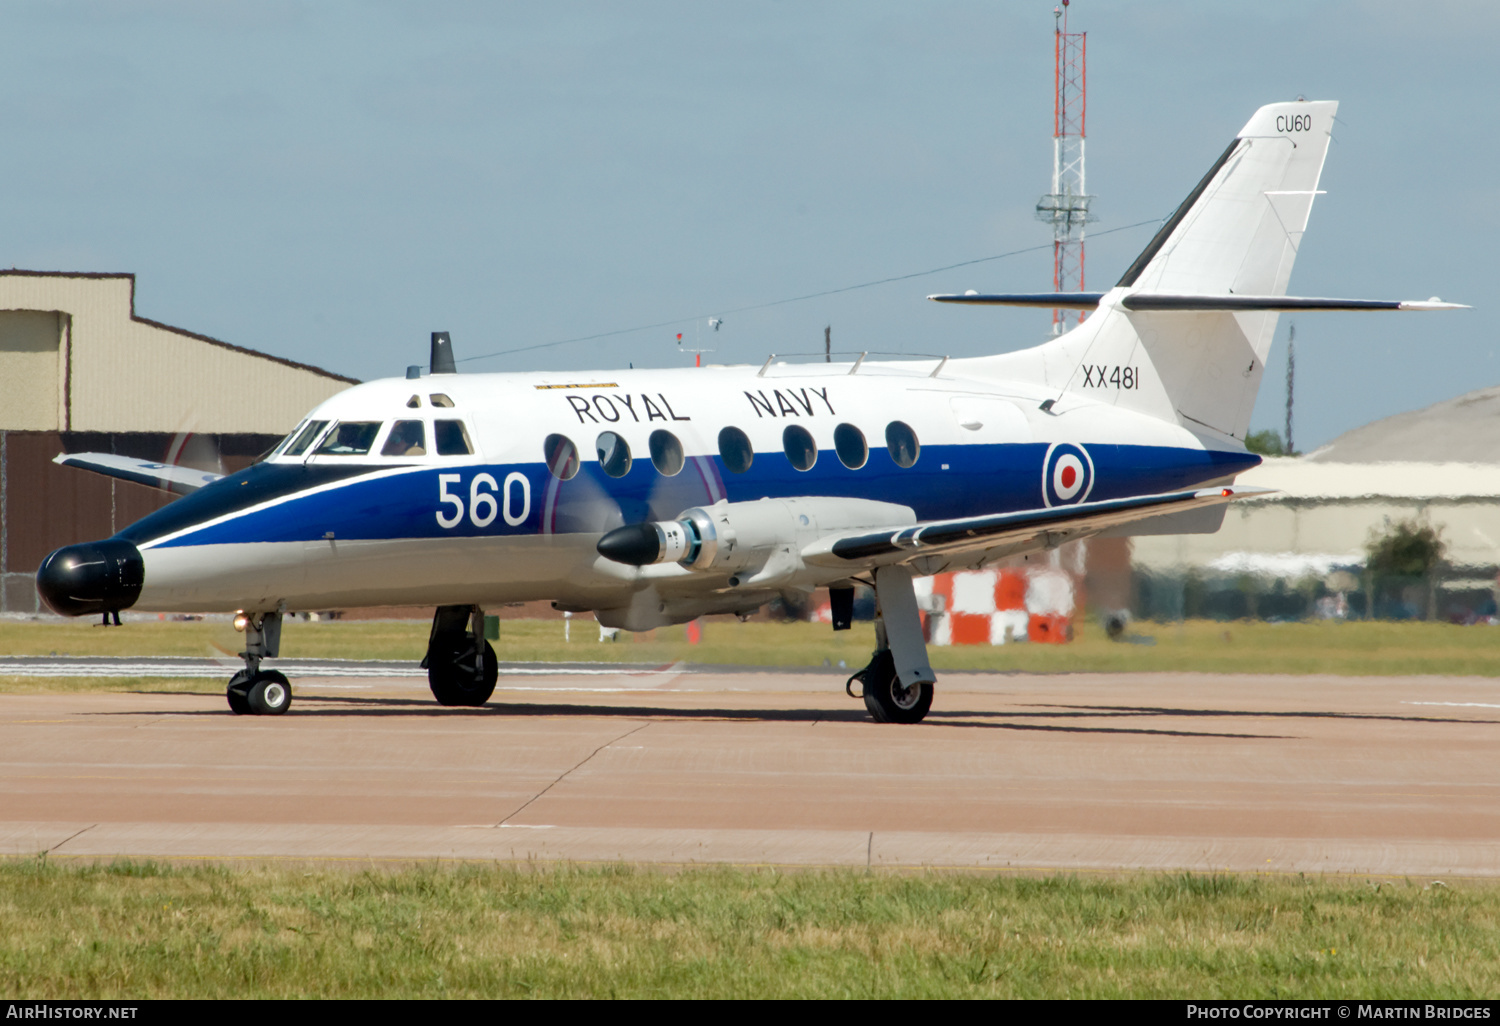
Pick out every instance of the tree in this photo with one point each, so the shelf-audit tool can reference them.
(1265, 443)
(1408, 551)
(1408, 548)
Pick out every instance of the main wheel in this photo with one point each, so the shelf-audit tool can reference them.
(238, 693)
(269, 694)
(888, 700)
(450, 674)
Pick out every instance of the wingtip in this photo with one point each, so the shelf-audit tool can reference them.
(1431, 304)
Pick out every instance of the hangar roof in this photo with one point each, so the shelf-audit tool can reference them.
(74, 356)
(1465, 429)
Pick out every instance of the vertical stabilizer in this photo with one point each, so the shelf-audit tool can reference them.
(1237, 233)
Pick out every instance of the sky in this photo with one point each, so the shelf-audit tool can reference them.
(330, 182)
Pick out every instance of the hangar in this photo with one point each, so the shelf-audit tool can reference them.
(80, 371)
(1439, 465)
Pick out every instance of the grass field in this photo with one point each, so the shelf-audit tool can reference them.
(1359, 648)
(153, 931)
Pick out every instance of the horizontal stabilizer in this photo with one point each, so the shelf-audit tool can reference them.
(975, 533)
(165, 476)
(1190, 303)
(1157, 301)
(1045, 300)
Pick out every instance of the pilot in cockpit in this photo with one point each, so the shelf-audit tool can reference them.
(407, 438)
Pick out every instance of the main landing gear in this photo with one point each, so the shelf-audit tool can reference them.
(254, 691)
(461, 666)
(897, 683)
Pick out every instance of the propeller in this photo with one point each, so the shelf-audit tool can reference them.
(581, 497)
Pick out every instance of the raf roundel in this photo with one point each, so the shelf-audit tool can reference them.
(1067, 475)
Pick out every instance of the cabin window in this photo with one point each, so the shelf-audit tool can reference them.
(561, 455)
(452, 437)
(407, 438)
(614, 454)
(735, 451)
(849, 443)
(306, 437)
(800, 448)
(351, 438)
(414, 402)
(901, 440)
(666, 453)
(439, 399)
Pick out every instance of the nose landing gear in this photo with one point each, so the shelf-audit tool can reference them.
(267, 693)
(253, 691)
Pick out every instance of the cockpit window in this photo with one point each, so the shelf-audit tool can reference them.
(305, 437)
(452, 437)
(277, 449)
(407, 438)
(414, 402)
(439, 399)
(351, 438)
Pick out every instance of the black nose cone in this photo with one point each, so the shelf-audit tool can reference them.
(96, 577)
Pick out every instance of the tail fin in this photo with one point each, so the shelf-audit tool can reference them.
(1239, 230)
(1236, 233)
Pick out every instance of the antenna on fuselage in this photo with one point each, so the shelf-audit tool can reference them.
(442, 354)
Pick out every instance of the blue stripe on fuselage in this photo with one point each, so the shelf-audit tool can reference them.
(980, 480)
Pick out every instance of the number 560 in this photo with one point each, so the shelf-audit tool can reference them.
(483, 507)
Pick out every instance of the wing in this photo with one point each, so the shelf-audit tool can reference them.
(166, 476)
(1010, 532)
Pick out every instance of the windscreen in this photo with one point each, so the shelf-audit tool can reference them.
(305, 437)
(351, 438)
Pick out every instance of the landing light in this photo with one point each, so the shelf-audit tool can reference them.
(241, 621)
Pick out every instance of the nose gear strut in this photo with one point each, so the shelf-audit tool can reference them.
(253, 690)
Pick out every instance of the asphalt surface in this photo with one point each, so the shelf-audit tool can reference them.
(1081, 772)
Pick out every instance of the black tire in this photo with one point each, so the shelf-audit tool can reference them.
(887, 700)
(238, 693)
(450, 674)
(270, 693)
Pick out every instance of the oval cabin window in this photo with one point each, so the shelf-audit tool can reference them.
(800, 448)
(849, 443)
(561, 456)
(735, 450)
(666, 453)
(901, 440)
(614, 454)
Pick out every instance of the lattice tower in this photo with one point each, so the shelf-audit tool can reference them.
(1066, 207)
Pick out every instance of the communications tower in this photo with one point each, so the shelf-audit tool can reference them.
(1066, 207)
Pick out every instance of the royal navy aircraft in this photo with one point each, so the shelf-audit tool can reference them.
(651, 497)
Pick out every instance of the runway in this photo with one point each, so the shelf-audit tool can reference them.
(1085, 772)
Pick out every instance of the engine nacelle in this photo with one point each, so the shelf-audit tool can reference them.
(729, 537)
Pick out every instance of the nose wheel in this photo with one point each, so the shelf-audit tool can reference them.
(265, 693)
(253, 691)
